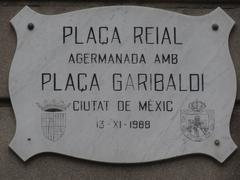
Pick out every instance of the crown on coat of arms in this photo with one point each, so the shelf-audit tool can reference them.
(53, 105)
(197, 106)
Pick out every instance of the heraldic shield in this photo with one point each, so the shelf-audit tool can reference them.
(95, 59)
(197, 122)
(53, 119)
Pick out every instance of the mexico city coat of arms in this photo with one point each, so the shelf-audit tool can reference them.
(197, 122)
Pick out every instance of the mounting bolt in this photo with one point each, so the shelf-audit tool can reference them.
(30, 26)
(215, 27)
(217, 142)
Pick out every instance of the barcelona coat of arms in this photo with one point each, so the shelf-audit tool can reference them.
(53, 119)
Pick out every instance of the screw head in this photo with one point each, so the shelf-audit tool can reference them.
(217, 142)
(30, 26)
(215, 27)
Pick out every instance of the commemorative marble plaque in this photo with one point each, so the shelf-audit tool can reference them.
(122, 84)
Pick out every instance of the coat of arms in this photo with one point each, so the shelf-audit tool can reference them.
(53, 119)
(197, 122)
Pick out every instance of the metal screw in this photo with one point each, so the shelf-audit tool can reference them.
(217, 142)
(30, 26)
(215, 27)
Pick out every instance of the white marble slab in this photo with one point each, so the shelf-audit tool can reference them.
(155, 84)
